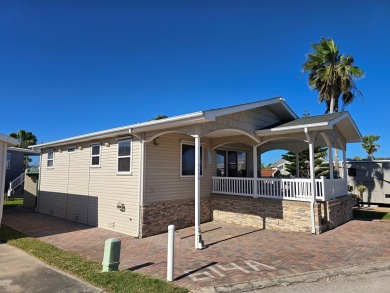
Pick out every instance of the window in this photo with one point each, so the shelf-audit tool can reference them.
(50, 159)
(95, 155)
(8, 160)
(71, 150)
(124, 156)
(231, 163)
(188, 159)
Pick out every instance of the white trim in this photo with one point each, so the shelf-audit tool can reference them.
(99, 155)
(181, 158)
(127, 156)
(47, 159)
(162, 124)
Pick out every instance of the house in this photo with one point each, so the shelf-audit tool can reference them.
(5, 142)
(15, 167)
(375, 175)
(193, 168)
(280, 165)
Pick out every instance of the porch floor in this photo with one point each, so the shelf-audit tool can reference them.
(235, 254)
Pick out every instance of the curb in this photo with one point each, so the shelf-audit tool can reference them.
(309, 277)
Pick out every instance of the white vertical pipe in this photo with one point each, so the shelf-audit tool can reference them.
(3, 164)
(313, 186)
(255, 167)
(171, 252)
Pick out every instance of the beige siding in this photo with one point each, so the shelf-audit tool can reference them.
(76, 191)
(162, 171)
(249, 120)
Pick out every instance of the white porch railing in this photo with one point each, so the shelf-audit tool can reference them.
(281, 188)
(15, 183)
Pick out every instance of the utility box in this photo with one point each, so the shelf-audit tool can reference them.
(111, 257)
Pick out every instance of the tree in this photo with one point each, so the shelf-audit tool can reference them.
(321, 168)
(159, 117)
(26, 139)
(369, 144)
(332, 75)
(357, 158)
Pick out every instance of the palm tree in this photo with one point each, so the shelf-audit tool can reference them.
(26, 138)
(332, 75)
(369, 144)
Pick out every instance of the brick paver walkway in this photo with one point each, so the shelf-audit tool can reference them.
(234, 254)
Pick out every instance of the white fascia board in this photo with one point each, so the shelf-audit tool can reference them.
(283, 102)
(25, 151)
(177, 121)
(292, 129)
(353, 124)
(124, 130)
(8, 140)
(212, 114)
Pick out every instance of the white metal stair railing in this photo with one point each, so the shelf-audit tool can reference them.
(15, 183)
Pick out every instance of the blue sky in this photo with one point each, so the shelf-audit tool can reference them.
(74, 67)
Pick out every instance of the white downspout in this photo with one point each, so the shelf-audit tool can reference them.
(312, 180)
(3, 165)
(38, 189)
(141, 183)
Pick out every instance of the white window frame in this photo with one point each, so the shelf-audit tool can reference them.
(47, 161)
(99, 155)
(8, 162)
(127, 156)
(181, 159)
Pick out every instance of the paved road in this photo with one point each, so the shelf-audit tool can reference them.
(372, 282)
(20, 272)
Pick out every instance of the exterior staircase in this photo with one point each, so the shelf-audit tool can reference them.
(14, 184)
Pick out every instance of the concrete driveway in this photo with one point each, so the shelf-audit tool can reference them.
(20, 272)
(234, 255)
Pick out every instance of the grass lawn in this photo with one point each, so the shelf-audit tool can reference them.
(12, 203)
(370, 215)
(89, 271)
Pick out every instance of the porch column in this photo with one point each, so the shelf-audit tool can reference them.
(255, 167)
(198, 234)
(297, 165)
(330, 152)
(344, 164)
(313, 186)
(312, 180)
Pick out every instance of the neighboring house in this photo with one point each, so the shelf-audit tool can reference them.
(5, 142)
(375, 175)
(15, 163)
(138, 179)
(281, 166)
(269, 173)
